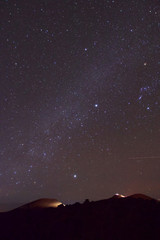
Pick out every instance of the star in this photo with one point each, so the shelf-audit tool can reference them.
(80, 94)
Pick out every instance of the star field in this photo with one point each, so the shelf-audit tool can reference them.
(80, 99)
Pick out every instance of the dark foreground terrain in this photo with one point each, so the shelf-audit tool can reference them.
(112, 219)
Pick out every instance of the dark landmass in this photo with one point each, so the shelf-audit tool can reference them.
(128, 218)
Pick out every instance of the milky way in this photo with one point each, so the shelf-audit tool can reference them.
(80, 99)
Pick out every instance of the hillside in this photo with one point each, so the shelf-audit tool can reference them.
(42, 203)
(126, 218)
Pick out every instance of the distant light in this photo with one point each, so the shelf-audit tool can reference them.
(55, 204)
(120, 195)
(85, 49)
(75, 175)
(145, 64)
(96, 105)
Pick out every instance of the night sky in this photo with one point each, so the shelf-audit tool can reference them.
(79, 99)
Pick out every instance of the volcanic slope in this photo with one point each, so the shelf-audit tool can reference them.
(115, 218)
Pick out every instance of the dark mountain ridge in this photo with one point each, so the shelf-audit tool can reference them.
(127, 218)
(41, 203)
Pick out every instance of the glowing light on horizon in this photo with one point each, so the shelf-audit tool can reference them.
(55, 204)
(120, 195)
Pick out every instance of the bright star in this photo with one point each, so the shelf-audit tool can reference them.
(140, 97)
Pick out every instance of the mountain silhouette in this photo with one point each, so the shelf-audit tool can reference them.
(140, 196)
(41, 203)
(128, 218)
